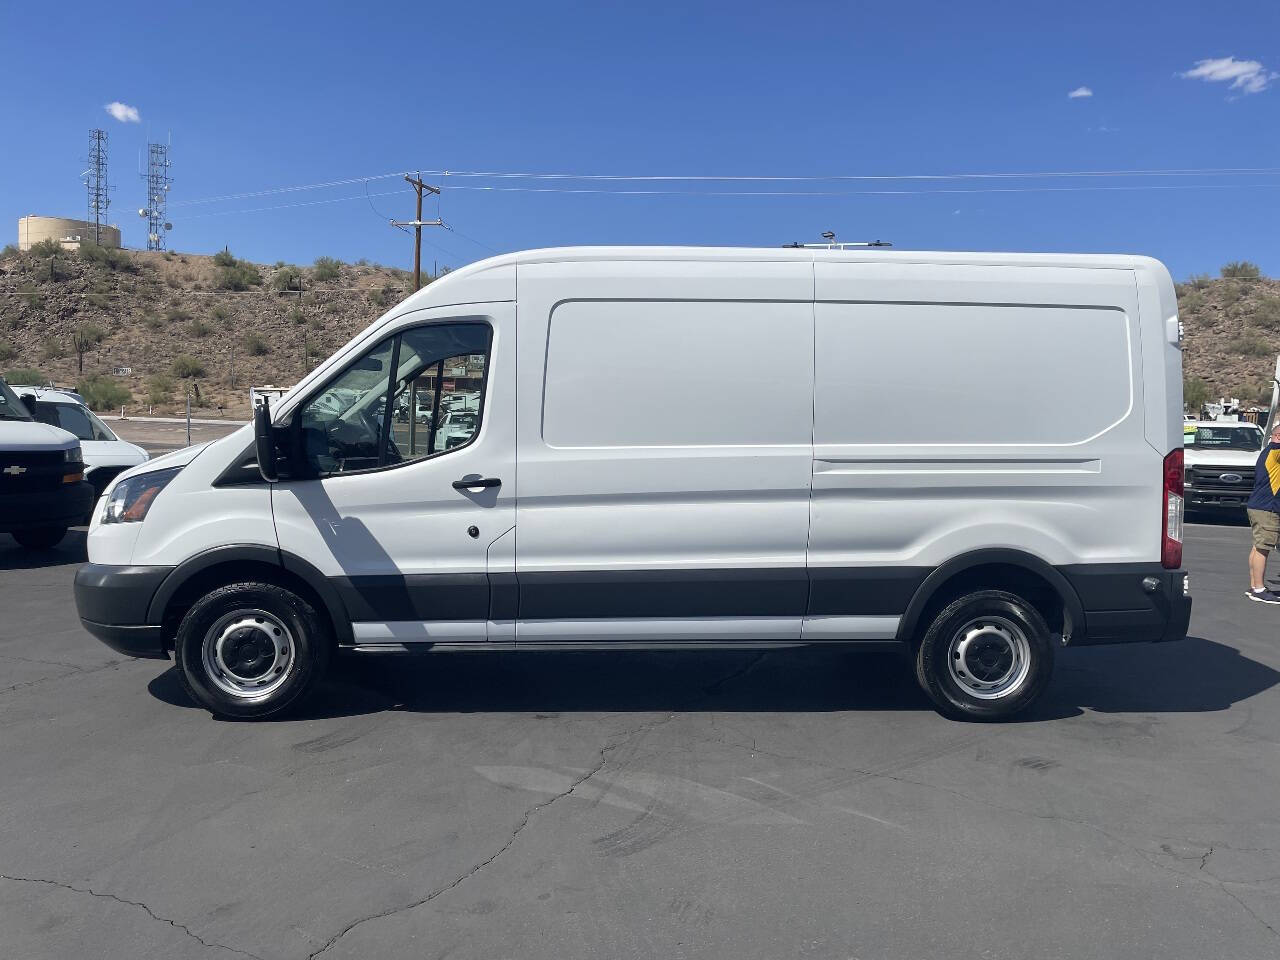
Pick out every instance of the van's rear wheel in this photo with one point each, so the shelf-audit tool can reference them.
(986, 656)
(250, 650)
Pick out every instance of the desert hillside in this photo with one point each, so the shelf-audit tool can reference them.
(214, 325)
(217, 325)
(1232, 334)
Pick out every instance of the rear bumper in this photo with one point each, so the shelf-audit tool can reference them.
(112, 602)
(1130, 602)
(66, 506)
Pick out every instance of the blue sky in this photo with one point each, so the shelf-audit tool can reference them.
(269, 95)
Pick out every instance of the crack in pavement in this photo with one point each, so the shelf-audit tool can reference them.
(1209, 878)
(132, 903)
(527, 818)
(75, 672)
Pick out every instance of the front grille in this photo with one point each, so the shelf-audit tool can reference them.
(30, 472)
(1210, 479)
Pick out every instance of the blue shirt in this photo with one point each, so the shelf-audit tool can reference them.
(1266, 480)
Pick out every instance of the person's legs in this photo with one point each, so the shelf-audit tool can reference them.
(1257, 568)
(1265, 527)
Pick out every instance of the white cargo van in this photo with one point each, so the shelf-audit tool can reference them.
(972, 458)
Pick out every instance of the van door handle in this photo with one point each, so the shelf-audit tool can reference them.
(467, 484)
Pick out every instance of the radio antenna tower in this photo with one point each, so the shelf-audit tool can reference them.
(96, 181)
(158, 181)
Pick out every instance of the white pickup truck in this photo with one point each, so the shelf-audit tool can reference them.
(1220, 457)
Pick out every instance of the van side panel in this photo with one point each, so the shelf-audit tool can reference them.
(664, 448)
(968, 407)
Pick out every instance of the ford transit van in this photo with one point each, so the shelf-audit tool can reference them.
(971, 458)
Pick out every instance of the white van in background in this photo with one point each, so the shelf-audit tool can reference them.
(105, 454)
(680, 448)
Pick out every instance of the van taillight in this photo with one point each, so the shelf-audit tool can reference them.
(1171, 512)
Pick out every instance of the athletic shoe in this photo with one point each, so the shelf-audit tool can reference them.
(1263, 596)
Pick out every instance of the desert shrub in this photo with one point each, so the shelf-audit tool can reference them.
(286, 278)
(1241, 268)
(223, 258)
(199, 328)
(173, 283)
(1199, 281)
(1229, 293)
(53, 349)
(256, 346)
(238, 277)
(45, 248)
(1191, 300)
(221, 314)
(1250, 345)
(1266, 312)
(102, 392)
(327, 268)
(152, 322)
(1195, 393)
(29, 295)
(186, 366)
(177, 315)
(109, 258)
(159, 389)
(297, 316)
(9, 252)
(99, 301)
(24, 375)
(6, 352)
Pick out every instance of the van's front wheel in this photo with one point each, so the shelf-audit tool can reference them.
(250, 650)
(986, 656)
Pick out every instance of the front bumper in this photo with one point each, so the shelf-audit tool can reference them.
(1130, 602)
(65, 506)
(1216, 499)
(113, 600)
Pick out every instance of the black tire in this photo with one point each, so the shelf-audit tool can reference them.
(989, 645)
(237, 623)
(40, 538)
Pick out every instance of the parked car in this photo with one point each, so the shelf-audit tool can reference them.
(1220, 457)
(105, 454)
(977, 530)
(42, 486)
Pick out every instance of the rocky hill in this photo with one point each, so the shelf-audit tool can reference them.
(214, 325)
(1232, 333)
(217, 325)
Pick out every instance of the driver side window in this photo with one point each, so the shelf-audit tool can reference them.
(436, 375)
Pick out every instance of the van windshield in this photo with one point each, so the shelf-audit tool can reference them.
(1228, 438)
(11, 408)
(74, 419)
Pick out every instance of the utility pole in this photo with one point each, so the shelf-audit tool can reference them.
(418, 223)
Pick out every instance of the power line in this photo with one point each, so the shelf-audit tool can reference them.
(735, 178)
(760, 193)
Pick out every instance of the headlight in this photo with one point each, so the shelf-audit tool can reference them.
(132, 497)
(72, 465)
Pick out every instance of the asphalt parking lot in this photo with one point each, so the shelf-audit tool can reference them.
(662, 805)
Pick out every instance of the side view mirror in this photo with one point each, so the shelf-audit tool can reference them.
(29, 402)
(264, 443)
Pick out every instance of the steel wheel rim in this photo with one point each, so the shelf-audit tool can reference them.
(989, 657)
(248, 654)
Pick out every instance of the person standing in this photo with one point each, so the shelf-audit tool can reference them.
(1264, 516)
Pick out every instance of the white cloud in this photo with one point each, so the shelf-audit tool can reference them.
(1079, 92)
(1249, 76)
(123, 112)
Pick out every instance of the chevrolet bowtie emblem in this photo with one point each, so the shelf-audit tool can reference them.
(14, 470)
